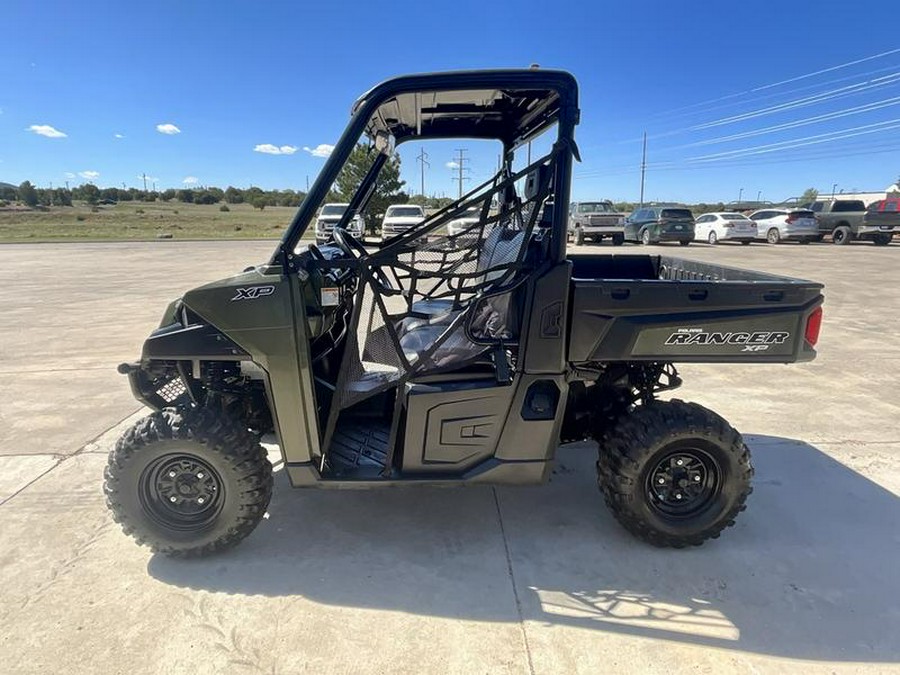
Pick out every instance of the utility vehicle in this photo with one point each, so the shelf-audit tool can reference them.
(450, 359)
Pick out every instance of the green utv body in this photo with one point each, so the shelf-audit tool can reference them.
(450, 355)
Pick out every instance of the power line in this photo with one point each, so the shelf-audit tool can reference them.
(868, 107)
(461, 168)
(422, 158)
(782, 82)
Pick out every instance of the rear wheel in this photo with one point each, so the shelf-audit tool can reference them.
(882, 239)
(645, 237)
(773, 236)
(674, 474)
(841, 235)
(745, 242)
(685, 242)
(618, 239)
(188, 483)
(805, 241)
(713, 238)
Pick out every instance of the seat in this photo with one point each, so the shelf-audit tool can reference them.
(418, 335)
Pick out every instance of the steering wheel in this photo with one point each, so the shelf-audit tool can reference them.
(353, 248)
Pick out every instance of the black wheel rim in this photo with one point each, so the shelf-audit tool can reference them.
(684, 482)
(181, 492)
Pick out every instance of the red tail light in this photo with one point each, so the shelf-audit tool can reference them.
(813, 325)
(791, 218)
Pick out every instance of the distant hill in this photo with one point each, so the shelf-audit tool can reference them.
(7, 185)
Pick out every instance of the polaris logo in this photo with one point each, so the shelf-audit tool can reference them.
(757, 339)
(253, 292)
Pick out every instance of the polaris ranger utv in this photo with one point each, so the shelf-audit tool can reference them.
(450, 359)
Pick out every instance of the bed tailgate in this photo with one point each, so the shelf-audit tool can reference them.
(687, 311)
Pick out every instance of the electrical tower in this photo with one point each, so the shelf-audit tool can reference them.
(461, 169)
(422, 158)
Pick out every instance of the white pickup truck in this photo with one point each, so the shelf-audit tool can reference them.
(594, 221)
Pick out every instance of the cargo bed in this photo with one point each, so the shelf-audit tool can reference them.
(661, 308)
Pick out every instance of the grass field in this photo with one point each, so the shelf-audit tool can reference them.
(140, 220)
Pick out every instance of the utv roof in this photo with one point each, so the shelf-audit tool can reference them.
(510, 105)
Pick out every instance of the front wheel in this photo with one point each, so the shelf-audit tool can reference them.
(773, 236)
(713, 238)
(685, 242)
(882, 239)
(188, 483)
(745, 242)
(674, 474)
(579, 237)
(645, 237)
(618, 239)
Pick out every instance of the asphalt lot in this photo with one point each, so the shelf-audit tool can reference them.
(514, 580)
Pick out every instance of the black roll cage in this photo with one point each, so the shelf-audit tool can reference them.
(565, 114)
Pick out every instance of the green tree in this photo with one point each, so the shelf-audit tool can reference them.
(186, 196)
(259, 203)
(27, 194)
(89, 193)
(809, 195)
(388, 186)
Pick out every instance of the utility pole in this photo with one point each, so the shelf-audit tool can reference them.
(67, 185)
(461, 167)
(154, 186)
(307, 183)
(758, 195)
(833, 188)
(643, 168)
(144, 176)
(740, 195)
(422, 158)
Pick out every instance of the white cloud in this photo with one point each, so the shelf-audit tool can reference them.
(168, 129)
(452, 165)
(90, 175)
(321, 150)
(190, 180)
(46, 130)
(69, 175)
(118, 136)
(269, 149)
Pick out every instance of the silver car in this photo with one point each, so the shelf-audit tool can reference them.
(777, 225)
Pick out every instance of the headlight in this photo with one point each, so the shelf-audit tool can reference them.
(320, 225)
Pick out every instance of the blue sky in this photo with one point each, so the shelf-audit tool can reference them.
(725, 91)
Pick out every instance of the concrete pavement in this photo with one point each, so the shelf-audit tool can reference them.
(523, 580)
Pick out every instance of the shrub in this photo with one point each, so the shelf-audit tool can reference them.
(81, 217)
(140, 211)
(94, 209)
(238, 228)
(224, 208)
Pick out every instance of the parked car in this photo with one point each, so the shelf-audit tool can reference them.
(777, 225)
(471, 216)
(399, 218)
(329, 216)
(656, 224)
(724, 226)
(595, 220)
(842, 219)
(882, 220)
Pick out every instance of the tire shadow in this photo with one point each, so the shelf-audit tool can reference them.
(808, 572)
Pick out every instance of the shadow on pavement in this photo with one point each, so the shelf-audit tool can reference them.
(808, 572)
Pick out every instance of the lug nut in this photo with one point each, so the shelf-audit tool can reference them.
(200, 475)
(200, 500)
(173, 498)
(696, 478)
(172, 474)
(678, 496)
(679, 462)
(662, 480)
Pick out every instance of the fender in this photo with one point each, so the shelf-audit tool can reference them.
(177, 342)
